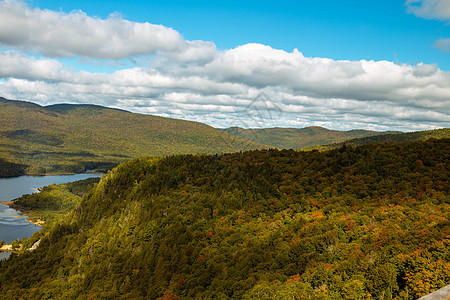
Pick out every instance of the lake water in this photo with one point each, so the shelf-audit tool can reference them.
(12, 224)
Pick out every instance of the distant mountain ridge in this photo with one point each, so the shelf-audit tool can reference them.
(65, 107)
(298, 138)
(79, 137)
(393, 138)
(65, 138)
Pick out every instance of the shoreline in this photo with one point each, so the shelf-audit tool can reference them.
(36, 222)
(7, 248)
(52, 174)
(8, 203)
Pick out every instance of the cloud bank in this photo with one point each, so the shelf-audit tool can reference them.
(252, 85)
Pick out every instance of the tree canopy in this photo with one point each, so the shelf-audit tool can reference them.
(350, 223)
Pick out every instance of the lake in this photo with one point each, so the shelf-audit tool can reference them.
(12, 224)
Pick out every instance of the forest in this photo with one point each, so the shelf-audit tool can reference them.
(366, 222)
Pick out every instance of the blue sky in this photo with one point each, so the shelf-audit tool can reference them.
(381, 65)
(353, 30)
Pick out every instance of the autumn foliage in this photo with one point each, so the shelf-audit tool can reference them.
(368, 222)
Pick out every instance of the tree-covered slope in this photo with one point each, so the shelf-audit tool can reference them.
(392, 138)
(73, 138)
(297, 138)
(353, 223)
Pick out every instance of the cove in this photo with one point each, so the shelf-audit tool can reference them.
(13, 225)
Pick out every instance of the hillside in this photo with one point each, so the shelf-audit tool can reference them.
(74, 138)
(297, 138)
(390, 138)
(353, 223)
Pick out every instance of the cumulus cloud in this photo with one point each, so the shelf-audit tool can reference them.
(430, 9)
(15, 64)
(252, 85)
(57, 34)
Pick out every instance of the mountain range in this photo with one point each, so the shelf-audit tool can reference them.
(298, 138)
(76, 138)
(73, 138)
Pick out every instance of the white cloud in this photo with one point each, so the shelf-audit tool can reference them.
(15, 64)
(430, 9)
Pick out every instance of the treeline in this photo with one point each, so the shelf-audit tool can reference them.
(10, 169)
(368, 222)
(392, 138)
(299, 138)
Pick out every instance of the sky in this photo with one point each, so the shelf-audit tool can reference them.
(377, 65)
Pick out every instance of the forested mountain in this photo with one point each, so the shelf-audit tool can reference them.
(368, 222)
(297, 138)
(392, 138)
(74, 138)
